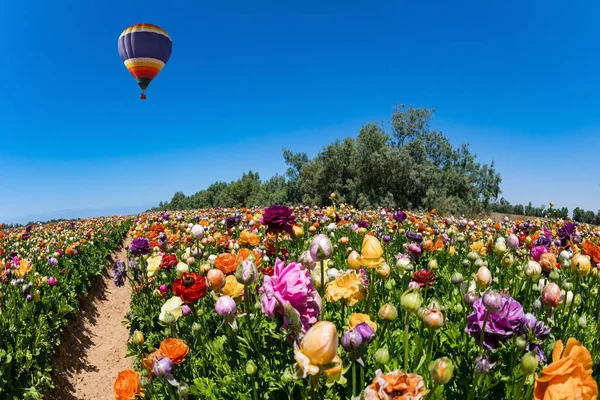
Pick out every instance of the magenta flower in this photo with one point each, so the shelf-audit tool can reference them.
(537, 252)
(291, 284)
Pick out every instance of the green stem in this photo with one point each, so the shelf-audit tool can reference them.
(519, 392)
(322, 290)
(432, 391)
(381, 332)
(312, 387)
(371, 289)
(429, 349)
(343, 319)
(406, 341)
(474, 387)
(566, 323)
(276, 244)
(354, 378)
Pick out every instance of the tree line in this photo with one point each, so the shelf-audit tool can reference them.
(410, 167)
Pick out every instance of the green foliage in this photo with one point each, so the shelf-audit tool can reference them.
(412, 167)
(31, 329)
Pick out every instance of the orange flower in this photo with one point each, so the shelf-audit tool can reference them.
(395, 385)
(548, 261)
(174, 349)
(591, 250)
(127, 385)
(245, 253)
(248, 238)
(569, 376)
(227, 262)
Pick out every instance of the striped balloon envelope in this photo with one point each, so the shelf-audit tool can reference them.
(145, 49)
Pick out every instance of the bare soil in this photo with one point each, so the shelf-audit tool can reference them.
(93, 347)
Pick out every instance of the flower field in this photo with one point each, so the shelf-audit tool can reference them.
(45, 270)
(337, 303)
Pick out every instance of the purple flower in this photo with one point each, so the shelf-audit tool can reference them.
(52, 261)
(161, 366)
(165, 216)
(535, 332)
(414, 237)
(500, 326)
(119, 274)
(399, 216)
(483, 364)
(279, 218)
(366, 332)
(544, 241)
(291, 284)
(363, 224)
(139, 247)
(351, 340)
(230, 222)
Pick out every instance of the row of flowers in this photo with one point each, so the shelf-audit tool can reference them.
(44, 270)
(340, 303)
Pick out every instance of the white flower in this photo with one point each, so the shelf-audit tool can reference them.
(171, 306)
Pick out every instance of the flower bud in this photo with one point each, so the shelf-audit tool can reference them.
(479, 263)
(529, 363)
(197, 232)
(183, 389)
(387, 312)
(250, 368)
(215, 279)
(196, 327)
(512, 241)
(483, 364)
(432, 264)
(321, 248)
(383, 271)
(354, 260)
(472, 256)
(582, 321)
(532, 269)
(412, 285)
(137, 338)
(551, 295)
(411, 301)
(433, 319)
(493, 301)
(246, 272)
(382, 355)
(520, 342)
(351, 340)
(483, 278)
(292, 317)
(458, 308)
(161, 366)
(441, 370)
(470, 298)
(554, 275)
(508, 260)
(537, 304)
(366, 332)
(456, 278)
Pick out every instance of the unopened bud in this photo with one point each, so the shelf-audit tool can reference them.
(137, 338)
(521, 342)
(382, 355)
(441, 370)
(529, 363)
(456, 278)
(411, 301)
(582, 321)
(250, 368)
(387, 312)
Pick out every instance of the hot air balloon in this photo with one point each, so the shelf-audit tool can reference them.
(145, 49)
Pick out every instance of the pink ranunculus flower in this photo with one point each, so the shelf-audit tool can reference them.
(537, 252)
(291, 284)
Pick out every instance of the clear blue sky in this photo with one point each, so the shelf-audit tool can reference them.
(517, 80)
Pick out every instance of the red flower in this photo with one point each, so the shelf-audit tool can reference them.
(168, 261)
(190, 287)
(423, 277)
(267, 271)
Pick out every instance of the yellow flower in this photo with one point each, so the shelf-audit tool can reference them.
(580, 264)
(318, 348)
(354, 260)
(173, 307)
(153, 264)
(479, 247)
(372, 252)
(298, 231)
(232, 287)
(358, 318)
(329, 211)
(24, 268)
(348, 286)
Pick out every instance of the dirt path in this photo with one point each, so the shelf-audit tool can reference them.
(93, 347)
